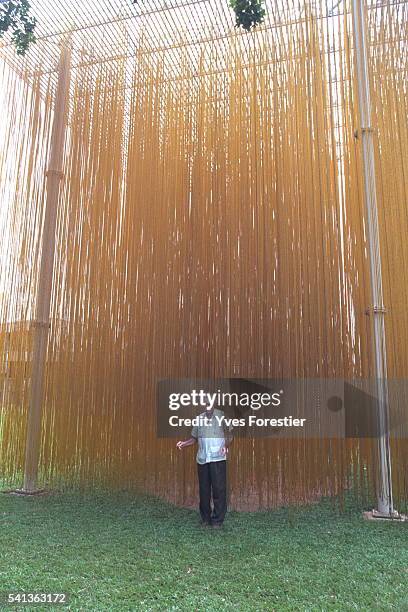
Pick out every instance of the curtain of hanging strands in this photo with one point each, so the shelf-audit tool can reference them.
(211, 224)
(25, 136)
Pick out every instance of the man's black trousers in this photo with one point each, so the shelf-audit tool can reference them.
(212, 481)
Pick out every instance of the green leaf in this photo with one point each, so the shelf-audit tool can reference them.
(15, 18)
(248, 13)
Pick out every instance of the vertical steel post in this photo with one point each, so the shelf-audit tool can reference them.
(42, 313)
(385, 501)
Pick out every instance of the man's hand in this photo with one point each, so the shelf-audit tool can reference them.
(183, 443)
(223, 450)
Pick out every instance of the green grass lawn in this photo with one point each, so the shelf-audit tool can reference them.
(122, 552)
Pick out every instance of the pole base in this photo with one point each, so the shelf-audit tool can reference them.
(375, 515)
(24, 493)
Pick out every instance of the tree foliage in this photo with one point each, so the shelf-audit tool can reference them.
(15, 18)
(248, 13)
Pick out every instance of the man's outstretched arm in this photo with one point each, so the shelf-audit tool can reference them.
(183, 443)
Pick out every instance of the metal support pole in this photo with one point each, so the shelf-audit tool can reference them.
(385, 501)
(42, 315)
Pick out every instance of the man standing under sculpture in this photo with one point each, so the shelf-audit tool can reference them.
(213, 442)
